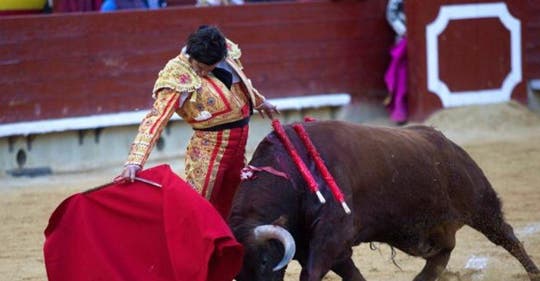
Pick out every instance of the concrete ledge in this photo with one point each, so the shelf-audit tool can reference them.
(132, 118)
(75, 144)
(533, 95)
(534, 84)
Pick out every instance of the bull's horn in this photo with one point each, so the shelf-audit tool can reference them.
(269, 231)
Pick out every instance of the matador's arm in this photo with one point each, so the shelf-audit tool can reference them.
(167, 100)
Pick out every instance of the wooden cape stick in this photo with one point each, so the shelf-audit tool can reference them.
(152, 183)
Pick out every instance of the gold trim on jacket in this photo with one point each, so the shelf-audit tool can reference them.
(179, 76)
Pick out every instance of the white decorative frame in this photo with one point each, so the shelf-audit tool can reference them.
(473, 11)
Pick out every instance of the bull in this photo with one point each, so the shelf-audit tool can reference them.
(411, 188)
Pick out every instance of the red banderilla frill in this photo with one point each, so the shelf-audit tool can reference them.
(248, 172)
(308, 177)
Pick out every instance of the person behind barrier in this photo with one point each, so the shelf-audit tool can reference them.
(205, 85)
(71, 6)
(396, 73)
(113, 5)
(395, 15)
(204, 3)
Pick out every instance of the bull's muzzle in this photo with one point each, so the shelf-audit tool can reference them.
(269, 231)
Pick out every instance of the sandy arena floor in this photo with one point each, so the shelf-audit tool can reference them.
(504, 140)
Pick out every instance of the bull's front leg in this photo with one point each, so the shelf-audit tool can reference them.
(348, 271)
(312, 272)
(316, 267)
(325, 248)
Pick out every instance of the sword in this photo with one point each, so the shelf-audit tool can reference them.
(152, 183)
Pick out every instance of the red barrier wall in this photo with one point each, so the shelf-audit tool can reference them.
(78, 64)
(532, 38)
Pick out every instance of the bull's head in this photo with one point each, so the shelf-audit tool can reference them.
(263, 260)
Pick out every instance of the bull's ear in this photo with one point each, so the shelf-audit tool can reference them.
(281, 221)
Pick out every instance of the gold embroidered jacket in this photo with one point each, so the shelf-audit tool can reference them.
(203, 102)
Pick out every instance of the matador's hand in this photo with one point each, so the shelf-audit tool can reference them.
(128, 174)
(268, 109)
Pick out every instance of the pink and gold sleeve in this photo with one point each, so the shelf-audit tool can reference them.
(152, 125)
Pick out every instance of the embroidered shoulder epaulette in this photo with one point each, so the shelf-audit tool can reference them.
(177, 75)
(233, 50)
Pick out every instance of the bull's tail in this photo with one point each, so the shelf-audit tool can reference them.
(495, 228)
(393, 253)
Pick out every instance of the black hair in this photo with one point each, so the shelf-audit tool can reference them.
(207, 45)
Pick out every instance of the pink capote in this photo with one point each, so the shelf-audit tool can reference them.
(140, 232)
(396, 81)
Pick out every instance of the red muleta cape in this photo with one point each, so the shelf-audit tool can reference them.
(140, 232)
